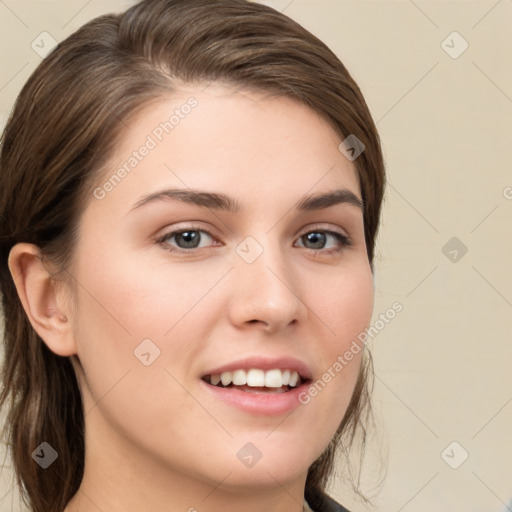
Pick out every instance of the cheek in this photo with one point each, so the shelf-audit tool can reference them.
(125, 298)
(131, 314)
(124, 324)
(345, 307)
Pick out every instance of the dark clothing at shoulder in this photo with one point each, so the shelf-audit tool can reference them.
(330, 505)
(321, 502)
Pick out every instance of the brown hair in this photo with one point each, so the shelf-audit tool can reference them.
(84, 92)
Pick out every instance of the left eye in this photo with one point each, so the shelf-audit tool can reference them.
(319, 239)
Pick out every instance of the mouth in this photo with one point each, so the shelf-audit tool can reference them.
(260, 386)
(256, 380)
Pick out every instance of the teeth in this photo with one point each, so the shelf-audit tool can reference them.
(273, 379)
(226, 378)
(257, 378)
(239, 377)
(294, 378)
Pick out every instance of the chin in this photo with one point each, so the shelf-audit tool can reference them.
(267, 464)
(265, 477)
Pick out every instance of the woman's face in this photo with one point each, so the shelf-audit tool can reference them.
(212, 252)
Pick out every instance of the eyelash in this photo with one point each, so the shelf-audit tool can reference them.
(343, 240)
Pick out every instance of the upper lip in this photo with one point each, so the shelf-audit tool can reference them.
(264, 363)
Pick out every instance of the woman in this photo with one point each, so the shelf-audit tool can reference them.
(186, 253)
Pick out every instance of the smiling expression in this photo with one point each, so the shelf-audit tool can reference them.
(236, 243)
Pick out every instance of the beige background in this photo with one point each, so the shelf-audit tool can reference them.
(443, 365)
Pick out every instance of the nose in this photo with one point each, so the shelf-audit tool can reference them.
(265, 294)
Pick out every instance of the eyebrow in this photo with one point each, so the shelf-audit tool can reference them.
(219, 201)
(320, 201)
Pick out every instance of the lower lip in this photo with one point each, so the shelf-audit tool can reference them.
(266, 403)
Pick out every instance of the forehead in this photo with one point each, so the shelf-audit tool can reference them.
(220, 138)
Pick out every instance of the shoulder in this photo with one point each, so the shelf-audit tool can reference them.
(333, 506)
(321, 502)
(330, 505)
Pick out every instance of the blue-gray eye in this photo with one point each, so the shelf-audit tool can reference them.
(187, 238)
(318, 239)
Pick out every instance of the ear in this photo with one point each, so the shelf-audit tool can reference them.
(44, 300)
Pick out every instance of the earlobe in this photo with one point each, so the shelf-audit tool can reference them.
(43, 300)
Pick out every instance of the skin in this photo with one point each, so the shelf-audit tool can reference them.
(154, 440)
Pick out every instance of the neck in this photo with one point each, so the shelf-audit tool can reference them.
(118, 477)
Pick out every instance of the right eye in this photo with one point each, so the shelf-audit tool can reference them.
(183, 240)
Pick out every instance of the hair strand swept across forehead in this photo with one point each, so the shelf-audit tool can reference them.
(85, 91)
